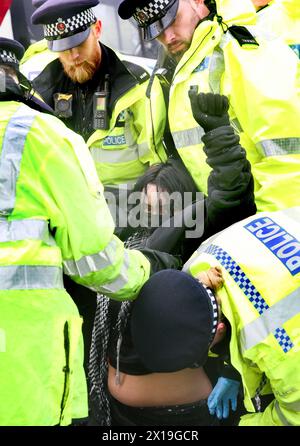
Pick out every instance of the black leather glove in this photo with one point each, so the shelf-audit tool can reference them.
(209, 110)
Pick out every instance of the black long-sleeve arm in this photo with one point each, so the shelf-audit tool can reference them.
(230, 184)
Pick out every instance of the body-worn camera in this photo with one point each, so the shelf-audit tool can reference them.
(63, 105)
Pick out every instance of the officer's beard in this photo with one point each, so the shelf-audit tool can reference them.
(177, 50)
(83, 72)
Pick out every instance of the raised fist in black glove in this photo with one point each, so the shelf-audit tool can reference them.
(209, 110)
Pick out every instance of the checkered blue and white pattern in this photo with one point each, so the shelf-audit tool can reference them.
(8, 56)
(249, 290)
(283, 339)
(152, 12)
(239, 277)
(73, 25)
(215, 310)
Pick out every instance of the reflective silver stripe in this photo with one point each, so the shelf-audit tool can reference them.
(216, 70)
(282, 418)
(280, 146)
(92, 263)
(119, 156)
(274, 317)
(295, 406)
(189, 137)
(121, 280)
(27, 277)
(11, 231)
(12, 150)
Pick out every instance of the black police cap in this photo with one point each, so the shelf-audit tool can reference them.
(11, 52)
(153, 16)
(66, 23)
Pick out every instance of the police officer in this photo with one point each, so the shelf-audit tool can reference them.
(53, 216)
(212, 48)
(96, 94)
(260, 300)
(103, 99)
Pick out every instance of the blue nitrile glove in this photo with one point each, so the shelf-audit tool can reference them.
(224, 391)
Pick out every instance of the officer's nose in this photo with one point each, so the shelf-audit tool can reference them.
(74, 53)
(167, 36)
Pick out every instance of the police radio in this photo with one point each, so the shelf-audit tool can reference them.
(100, 107)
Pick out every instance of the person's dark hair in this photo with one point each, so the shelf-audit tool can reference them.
(171, 176)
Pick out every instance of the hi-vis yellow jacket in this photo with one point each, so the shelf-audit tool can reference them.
(260, 260)
(281, 18)
(263, 86)
(53, 216)
(36, 58)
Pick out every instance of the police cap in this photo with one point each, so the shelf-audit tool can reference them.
(11, 52)
(153, 16)
(66, 23)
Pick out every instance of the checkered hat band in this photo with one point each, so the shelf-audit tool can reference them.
(67, 27)
(215, 310)
(152, 12)
(8, 56)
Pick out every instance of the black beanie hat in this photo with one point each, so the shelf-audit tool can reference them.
(173, 322)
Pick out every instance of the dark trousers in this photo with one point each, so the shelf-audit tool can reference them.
(195, 414)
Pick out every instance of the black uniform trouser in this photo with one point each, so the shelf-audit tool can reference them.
(86, 302)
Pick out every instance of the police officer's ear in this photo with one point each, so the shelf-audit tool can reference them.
(97, 28)
(200, 8)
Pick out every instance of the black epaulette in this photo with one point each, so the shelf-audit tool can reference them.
(138, 72)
